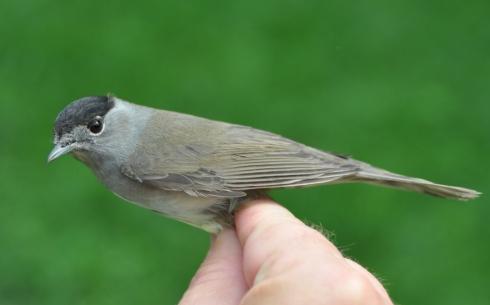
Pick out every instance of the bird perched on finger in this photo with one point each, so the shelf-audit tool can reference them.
(197, 170)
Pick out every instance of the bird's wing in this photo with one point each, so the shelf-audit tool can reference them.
(207, 158)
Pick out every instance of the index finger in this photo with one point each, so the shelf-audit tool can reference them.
(266, 229)
(287, 262)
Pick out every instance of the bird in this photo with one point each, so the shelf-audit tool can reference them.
(198, 170)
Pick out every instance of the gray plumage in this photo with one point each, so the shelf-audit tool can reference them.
(192, 169)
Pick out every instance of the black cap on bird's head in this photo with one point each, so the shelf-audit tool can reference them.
(81, 112)
(87, 112)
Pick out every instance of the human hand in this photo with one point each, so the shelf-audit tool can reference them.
(274, 258)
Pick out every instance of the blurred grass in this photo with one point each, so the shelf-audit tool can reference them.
(401, 84)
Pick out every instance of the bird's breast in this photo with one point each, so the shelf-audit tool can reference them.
(174, 204)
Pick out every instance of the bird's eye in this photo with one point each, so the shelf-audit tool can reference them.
(95, 126)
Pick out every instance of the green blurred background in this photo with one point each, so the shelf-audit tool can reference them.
(404, 85)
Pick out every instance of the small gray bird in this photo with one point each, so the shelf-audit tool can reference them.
(197, 170)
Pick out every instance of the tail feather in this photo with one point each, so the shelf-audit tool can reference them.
(381, 177)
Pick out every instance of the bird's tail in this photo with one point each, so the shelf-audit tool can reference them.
(377, 176)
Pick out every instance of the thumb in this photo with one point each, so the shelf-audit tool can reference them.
(219, 279)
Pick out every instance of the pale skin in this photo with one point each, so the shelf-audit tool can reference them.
(274, 258)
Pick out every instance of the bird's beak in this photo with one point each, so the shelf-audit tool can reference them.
(59, 151)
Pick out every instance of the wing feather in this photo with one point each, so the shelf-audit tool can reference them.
(228, 160)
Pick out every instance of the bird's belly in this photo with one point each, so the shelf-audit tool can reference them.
(174, 204)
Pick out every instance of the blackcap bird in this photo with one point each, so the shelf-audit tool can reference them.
(197, 170)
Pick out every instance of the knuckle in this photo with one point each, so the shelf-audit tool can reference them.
(357, 289)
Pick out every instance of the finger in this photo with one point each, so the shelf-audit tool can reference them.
(287, 262)
(371, 278)
(266, 229)
(219, 279)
